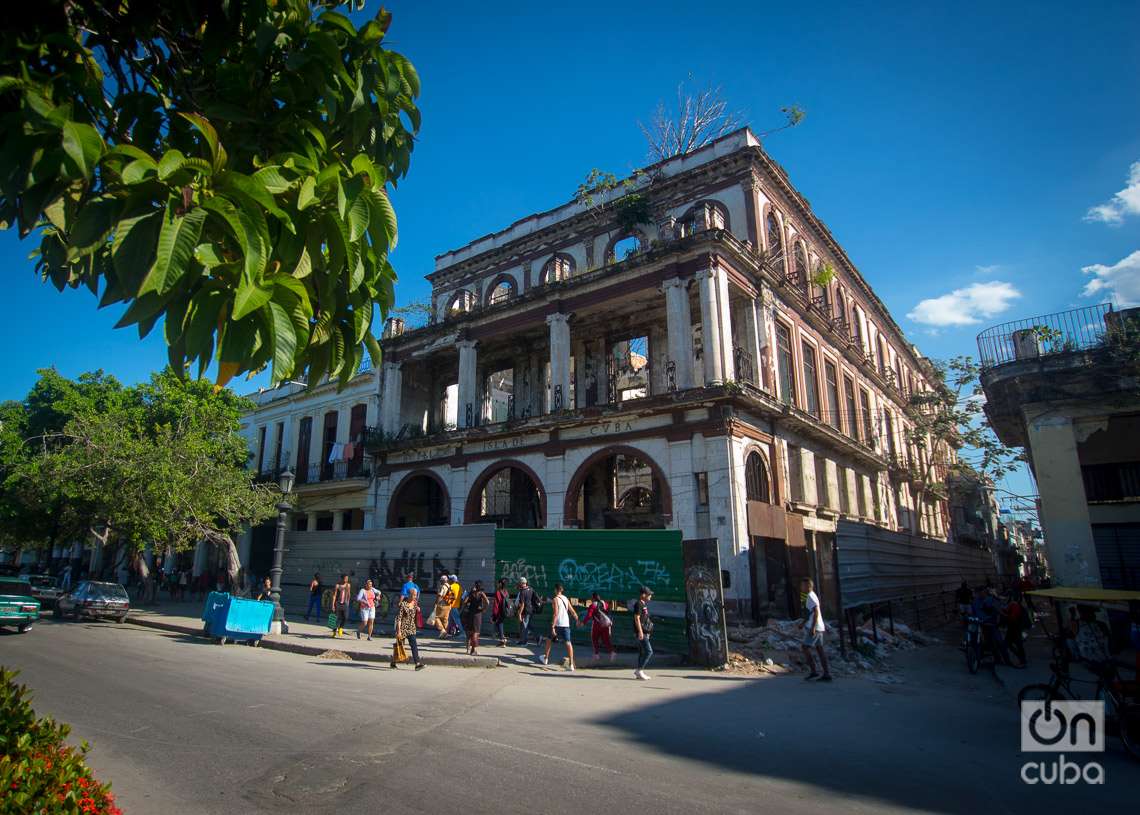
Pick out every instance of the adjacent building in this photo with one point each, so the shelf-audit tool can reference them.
(1066, 387)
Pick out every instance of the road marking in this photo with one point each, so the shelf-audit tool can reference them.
(547, 756)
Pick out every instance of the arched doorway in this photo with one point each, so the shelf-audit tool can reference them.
(420, 499)
(618, 488)
(508, 494)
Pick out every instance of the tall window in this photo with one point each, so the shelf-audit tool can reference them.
(880, 352)
(824, 292)
(889, 424)
(785, 364)
(831, 383)
(559, 267)
(801, 268)
(502, 292)
(277, 446)
(261, 450)
(856, 327)
(811, 380)
(756, 478)
(852, 408)
(775, 235)
(868, 424)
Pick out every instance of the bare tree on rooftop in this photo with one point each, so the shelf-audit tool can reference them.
(697, 119)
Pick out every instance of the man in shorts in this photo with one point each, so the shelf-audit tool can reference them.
(561, 612)
(813, 631)
(367, 599)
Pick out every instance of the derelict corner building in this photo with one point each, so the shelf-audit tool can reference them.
(718, 367)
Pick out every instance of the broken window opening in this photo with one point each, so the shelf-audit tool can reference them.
(623, 248)
(557, 269)
(500, 395)
(502, 292)
(629, 370)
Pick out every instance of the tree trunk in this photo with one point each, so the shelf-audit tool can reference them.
(228, 550)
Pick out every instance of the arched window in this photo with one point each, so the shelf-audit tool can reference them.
(824, 291)
(801, 267)
(503, 291)
(756, 479)
(558, 268)
(623, 247)
(703, 216)
(461, 302)
(775, 235)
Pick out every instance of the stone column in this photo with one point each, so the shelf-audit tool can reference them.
(868, 497)
(710, 328)
(679, 322)
(390, 399)
(1064, 509)
(658, 353)
(559, 361)
(833, 485)
(338, 520)
(537, 384)
(724, 321)
(468, 408)
(317, 445)
(852, 487)
(807, 474)
(311, 522)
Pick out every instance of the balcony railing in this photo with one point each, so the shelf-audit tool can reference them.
(1076, 330)
(337, 471)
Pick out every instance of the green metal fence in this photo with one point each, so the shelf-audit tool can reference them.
(613, 562)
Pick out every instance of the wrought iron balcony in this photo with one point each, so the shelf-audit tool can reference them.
(336, 471)
(1079, 329)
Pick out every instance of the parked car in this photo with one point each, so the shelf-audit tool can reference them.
(95, 600)
(45, 588)
(9, 570)
(17, 605)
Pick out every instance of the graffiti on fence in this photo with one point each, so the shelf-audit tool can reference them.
(607, 578)
(514, 570)
(389, 574)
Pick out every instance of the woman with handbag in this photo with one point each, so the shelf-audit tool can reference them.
(601, 630)
(473, 608)
(500, 608)
(407, 613)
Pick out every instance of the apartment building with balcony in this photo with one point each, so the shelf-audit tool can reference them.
(319, 434)
(719, 366)
(1066, 387)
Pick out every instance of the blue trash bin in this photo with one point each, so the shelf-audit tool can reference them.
(235, 618)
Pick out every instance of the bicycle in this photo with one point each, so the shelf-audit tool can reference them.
(1119, 711)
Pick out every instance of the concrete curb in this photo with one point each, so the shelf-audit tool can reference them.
(442, 660)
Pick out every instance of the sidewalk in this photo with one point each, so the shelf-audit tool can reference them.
(314, 639)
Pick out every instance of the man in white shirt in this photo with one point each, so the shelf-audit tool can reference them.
(367, 599)
(813, 631)
(561, 612)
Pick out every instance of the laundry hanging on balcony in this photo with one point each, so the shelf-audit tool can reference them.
(336, 453)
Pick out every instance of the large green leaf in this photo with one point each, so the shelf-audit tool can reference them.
(307, 196)
(175, 250)
(203, 126)
(284, 342)
(133, 249)
(250, 297)
(83, 145)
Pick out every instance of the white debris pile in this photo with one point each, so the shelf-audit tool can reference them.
(776, 648)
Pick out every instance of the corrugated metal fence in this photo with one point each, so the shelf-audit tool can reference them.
(916, 576)
(385, 556)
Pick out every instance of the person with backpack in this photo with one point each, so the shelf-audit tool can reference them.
(642, 628)
(527, 604)
(499, 611)
(562, 611)
(601, 629)
(473, 607)
(442, 611)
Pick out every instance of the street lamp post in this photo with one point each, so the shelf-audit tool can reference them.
(279, 626)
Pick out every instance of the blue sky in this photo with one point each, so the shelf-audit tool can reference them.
(949, 147)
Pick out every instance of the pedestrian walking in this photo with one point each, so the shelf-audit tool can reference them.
(562, 611)
(456, 603)
(266, 592)
(406, 612)
(474, 605)
(499, 610)
(601, 627)
(315, 589)
(410, 585)
(442, 611)
(643, 629)
(341, 594)
(526, 606)
(67, 577)
(814, 629)
(367, 599)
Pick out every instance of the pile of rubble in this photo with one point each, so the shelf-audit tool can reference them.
(776, 649)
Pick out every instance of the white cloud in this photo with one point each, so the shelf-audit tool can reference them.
(966, 306)
(1125, 202)
(1120, 281)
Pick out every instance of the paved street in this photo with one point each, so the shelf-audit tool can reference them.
(184, 726)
